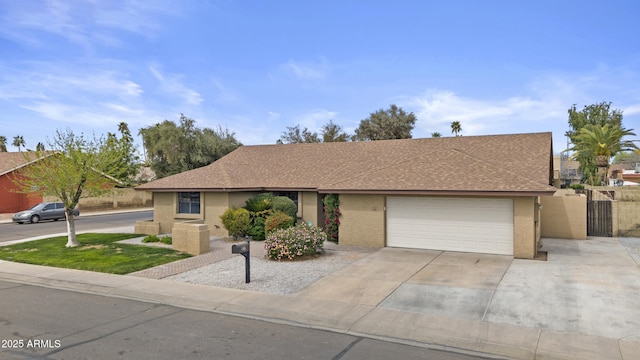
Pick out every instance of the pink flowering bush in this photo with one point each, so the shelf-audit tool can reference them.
(300, 240)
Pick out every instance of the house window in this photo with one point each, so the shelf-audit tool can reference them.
(189, 203)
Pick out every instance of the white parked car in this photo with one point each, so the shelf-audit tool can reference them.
(43, 211)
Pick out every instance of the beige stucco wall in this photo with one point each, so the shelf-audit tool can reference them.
(215, 204)
(239, 199)
(115, 199)
(524, 227)
(164, 210)
(363, 220)
(564, 217)
(310, 208)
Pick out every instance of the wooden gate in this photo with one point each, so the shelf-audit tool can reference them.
(599, 216)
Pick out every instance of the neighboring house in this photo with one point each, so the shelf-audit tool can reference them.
(471, 193)
(10, 200)
(566, 171)
(624, 174)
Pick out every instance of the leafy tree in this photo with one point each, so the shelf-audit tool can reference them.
(436, 134)
(126, 164)
(599, 114)
(3, 143)
(600, 143)
(393, 123)
(627, 157)
(73, 169)
(172, 149)
(332, 132)
(456, 128)
(294, 135)
(18, 141)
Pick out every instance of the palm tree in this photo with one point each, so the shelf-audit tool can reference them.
(3, 143)
(456, 128)
(436, 134)
(600, 143)
(18, 141)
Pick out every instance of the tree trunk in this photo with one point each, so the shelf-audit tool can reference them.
(71, 229)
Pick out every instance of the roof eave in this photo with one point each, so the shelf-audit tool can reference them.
(443, 192)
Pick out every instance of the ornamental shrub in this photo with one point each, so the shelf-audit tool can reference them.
(286, 205)
(257, 231)
(259, 203)
(294, 242)
(332, 215)
(278, 220)
(237, 222)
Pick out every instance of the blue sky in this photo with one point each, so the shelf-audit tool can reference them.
(257, 67)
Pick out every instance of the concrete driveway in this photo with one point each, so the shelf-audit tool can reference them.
(588, 287)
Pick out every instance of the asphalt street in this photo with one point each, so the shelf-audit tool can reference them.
(45, 323)
(12, 231)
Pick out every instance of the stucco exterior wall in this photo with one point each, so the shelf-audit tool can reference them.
(215, 204)
(310, 208)
(239, 199)
(164, 210)
(564, 217)
(524, 227)
(117, 198)
(363, 220)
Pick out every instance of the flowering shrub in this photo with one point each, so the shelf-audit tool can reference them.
(332, 215)
(278, 220)
(300, 240)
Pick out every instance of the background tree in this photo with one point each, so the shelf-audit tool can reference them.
(18, 141)
(436, 134)
(456, 128)
(600, 143)
(393, 123)
(172, 149)
(599, 114)
(332, 132)
(631, 158)
(3, 143)
(293, 135)
(126, 160)
(73, 169)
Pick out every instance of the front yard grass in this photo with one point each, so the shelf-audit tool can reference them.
(96, 252)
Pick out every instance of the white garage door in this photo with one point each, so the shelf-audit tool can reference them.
(449, 223)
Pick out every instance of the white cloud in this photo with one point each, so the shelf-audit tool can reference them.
(315, 119)
(307, 70)
(81, 22)
(172, 84)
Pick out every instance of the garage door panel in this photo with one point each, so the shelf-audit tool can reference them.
(456, 224)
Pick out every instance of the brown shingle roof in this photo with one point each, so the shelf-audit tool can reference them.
(519, 163)
(10, 161)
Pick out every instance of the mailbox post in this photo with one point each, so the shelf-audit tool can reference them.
(244, 250)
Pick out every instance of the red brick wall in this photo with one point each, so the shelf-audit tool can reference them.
(11, 202)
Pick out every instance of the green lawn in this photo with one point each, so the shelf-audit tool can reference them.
(96, 252)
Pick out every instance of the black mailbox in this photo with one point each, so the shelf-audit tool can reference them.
(240, 249)
(244, 249)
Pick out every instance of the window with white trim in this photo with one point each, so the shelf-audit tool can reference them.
(188, 203)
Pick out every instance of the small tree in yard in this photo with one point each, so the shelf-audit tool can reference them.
(72, 169)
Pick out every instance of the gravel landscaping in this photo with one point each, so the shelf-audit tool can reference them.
(285, 277)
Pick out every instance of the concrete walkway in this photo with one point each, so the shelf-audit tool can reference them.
(583, 303)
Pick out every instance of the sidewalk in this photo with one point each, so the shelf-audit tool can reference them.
(367, 299)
